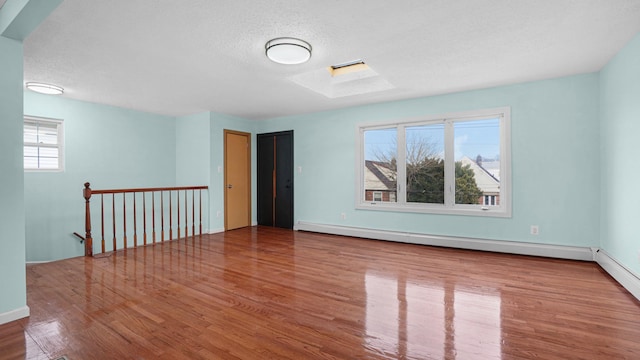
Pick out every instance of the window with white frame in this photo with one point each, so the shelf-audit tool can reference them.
(43, 144)
(490, 200)
(456, 163)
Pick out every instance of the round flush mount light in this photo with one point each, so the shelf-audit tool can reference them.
(288, 51)
(45, 88)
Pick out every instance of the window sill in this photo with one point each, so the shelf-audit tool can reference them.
(43, 170)
(488, 211)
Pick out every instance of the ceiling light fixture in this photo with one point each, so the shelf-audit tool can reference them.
(45, 88)
(288, 51)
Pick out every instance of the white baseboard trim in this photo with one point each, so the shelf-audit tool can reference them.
(38, 262)
(14, 315)
(216, 231)
(627, 278)
(510, 247)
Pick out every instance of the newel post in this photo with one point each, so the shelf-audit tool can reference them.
(88, 243)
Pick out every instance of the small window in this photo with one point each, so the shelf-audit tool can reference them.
(457, 163)
(43, 144)
(489, 200)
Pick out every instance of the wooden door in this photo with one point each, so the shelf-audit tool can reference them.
(237, 179)
(275, 179)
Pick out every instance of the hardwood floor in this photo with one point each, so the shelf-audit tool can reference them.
(264, 293)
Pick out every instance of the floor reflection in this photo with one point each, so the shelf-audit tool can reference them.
(413, 320)
(477, 326)
(16, 343)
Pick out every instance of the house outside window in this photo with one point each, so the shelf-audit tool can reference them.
(43, 144)
(455, 163)
(379, 182)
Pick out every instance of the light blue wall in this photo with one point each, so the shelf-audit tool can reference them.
(193, 160)
(200, 159)
(193, 150)
(13, 288)
(555, 162)
(620, 173)
(109, 147)
(18, 18)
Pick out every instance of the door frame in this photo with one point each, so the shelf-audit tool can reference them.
(224, 189)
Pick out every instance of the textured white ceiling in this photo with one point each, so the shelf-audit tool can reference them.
(183, 57)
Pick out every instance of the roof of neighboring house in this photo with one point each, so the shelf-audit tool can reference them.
(486, 181)
(492, 167)
(378, 176)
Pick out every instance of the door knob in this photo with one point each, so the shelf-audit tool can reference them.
(229, 186)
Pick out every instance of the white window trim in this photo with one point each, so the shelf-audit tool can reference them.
(502, 210)
(60, 145)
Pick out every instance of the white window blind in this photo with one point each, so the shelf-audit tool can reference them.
(43, 144)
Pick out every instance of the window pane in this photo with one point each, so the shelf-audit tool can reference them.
(47, 133)
(48, 163)
(31, 151)
(477, 155)
(425, 164)
(42, 148)
(49, 152)
(30, 162)
(454, 163)
(380, 164)
(30, 132)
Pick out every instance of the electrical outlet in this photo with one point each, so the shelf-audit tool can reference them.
(218, 214)
(535, 230)
(343, 216)
(299, 169)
